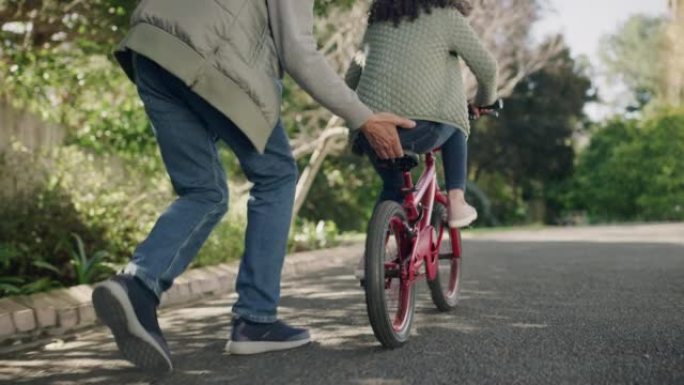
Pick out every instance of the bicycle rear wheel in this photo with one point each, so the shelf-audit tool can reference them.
(445, 288)
(390, 298)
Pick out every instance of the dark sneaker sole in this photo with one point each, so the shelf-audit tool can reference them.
(257, 347)
(113, 307)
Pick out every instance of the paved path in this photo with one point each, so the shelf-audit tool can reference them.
(636, 233)
(531, 313)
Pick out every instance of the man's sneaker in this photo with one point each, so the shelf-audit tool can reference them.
(253, 338)
(129, 309)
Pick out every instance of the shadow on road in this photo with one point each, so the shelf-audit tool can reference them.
(531, 313)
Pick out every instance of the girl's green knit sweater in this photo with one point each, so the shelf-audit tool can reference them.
(413, 69)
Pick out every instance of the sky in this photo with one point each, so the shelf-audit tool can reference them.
(584, 22)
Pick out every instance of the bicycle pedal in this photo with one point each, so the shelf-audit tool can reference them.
(392, 273)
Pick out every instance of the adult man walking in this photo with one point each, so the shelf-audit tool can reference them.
(209, 70)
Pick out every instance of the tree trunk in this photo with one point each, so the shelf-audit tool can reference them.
(319, 149)
(309, 175)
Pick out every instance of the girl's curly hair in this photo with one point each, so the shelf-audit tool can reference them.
(398, 10)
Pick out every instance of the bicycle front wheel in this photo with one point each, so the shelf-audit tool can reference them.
(390, 298)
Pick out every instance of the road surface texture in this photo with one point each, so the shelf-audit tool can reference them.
(533, 311)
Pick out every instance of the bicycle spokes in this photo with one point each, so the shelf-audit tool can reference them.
(395, 258)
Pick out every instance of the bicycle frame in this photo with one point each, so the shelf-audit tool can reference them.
(418, 203)
(404, 239)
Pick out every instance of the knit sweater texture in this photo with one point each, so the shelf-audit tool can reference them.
(414, 69)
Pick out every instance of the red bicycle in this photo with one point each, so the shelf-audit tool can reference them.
(401, 239)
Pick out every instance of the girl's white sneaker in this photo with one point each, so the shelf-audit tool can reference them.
(462, 216)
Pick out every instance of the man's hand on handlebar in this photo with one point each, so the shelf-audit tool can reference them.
(381, 132)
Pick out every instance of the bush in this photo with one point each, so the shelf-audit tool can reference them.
(663, 154)
(35, 236)
(314, 235)
(71, 217)
(344, 192)
(633, 171)
(36, 225)
(110, 195)
(52, 198)
(225, 244)
(86, 93)
(496, 201)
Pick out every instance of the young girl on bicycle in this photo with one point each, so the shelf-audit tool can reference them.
(410, 65)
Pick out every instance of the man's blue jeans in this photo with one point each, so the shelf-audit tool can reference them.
(187, 129)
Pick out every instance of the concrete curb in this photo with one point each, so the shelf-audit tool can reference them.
(64, 311)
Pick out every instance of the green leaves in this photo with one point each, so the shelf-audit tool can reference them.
(85, 93)
(44, 265)
(528, 151)
(634, 170)
(314, 235)
(87, 269)
(100, 21)
(324, 6)
(634, 56)
(110, 205)
(11, 285)
(24, 285)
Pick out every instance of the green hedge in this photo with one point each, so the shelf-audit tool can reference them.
(633, 170)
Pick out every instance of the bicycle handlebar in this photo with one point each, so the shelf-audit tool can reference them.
(475, 113)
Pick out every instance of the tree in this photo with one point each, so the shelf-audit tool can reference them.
(633, 55)
(57, 63)
(673, 82)
(531, 145)
(35, 23)
(633, 170)
(321, 134)
(505, 27)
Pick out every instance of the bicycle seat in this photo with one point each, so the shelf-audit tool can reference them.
(409, 161)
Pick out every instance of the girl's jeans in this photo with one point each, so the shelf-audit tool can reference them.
(187, 130)
(424, 137)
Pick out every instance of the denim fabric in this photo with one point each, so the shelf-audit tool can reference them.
(424, 137)
(187, 130)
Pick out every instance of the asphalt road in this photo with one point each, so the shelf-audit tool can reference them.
(531, 313)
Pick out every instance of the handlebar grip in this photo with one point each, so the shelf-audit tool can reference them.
(491, 110)
(496, 106)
